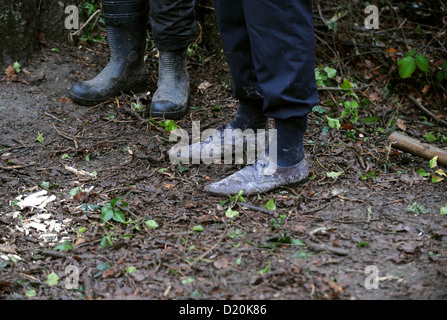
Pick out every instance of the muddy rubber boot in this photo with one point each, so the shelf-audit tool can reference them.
(126, 31)
(170, 101)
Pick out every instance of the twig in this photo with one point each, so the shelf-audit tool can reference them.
(255, 208)
(324, 247)
(213, 247)
(72, 34)
(427, 112)
(66, 136)
(316, 209)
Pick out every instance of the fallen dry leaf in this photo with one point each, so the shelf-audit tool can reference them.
(401, 124)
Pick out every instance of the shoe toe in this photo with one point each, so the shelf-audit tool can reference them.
(167, 109)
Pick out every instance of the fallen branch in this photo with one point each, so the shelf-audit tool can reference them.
(417, 148)
(427, 112)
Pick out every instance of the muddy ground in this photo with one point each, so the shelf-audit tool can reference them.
(326, 239)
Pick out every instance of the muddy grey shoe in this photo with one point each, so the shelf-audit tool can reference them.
(223, 144)
(262, 176)
(125, 25)
(170, 101)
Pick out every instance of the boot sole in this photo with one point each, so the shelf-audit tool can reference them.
(136, 86)
(170, 115)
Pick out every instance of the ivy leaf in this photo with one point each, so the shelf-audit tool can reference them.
(333, 123)
(231, 213)
(330, 72)
(52, 279)
(406, 67)
(333, 174)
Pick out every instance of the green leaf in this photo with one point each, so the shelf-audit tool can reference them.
(198, 229)
(230, 213)
(319, 109)
(370, 120)
(52, 279)
(266, 269)
(441, 172)
(118, 216)
(333, 123)
(270, 205)
(188, 280)
(433, 162)
(330, 72)
(40, 138)
(169, 125)
(346, 85)
(131, 269)
(63, 247)
(333, 174)
(17, 67)
(88, 207)
(103, 266)
(362, 244)
(113, 202)
(151, 224)
(406, 67)
(410, 53)
(423, 173)
(422, 62)
(107, 212)
(435, 179)
(31, 293)
(443, 210)
(45, 185)
(416, 208)
(430, 137)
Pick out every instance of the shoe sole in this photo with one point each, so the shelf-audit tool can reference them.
(170, 115)
(136, 86)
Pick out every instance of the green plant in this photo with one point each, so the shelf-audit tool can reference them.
(112, 211)
(323, 75)
(433, 163)
(276, 223)
(411, 60)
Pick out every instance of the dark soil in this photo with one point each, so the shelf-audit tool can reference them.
(318, 242)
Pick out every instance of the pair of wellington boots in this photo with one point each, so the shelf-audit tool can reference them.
(126, 31)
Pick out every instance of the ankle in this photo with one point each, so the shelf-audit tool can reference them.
(249, 117)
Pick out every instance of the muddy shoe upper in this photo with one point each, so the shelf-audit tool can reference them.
(224, 143)
(170, 101)
(125, 26)
(262, 176)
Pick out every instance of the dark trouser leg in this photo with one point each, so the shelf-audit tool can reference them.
(174, 28)
(126, 23)
(270, 50)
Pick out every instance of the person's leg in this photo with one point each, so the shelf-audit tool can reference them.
(126, 22)
(236, 41)
(282, 48)
(173, 27)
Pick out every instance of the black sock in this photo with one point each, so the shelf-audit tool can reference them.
(290, 146)
(249, 116)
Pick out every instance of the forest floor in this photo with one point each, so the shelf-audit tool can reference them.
(364, 212)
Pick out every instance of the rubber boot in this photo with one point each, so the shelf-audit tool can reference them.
(126, 31)
(170, 101)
